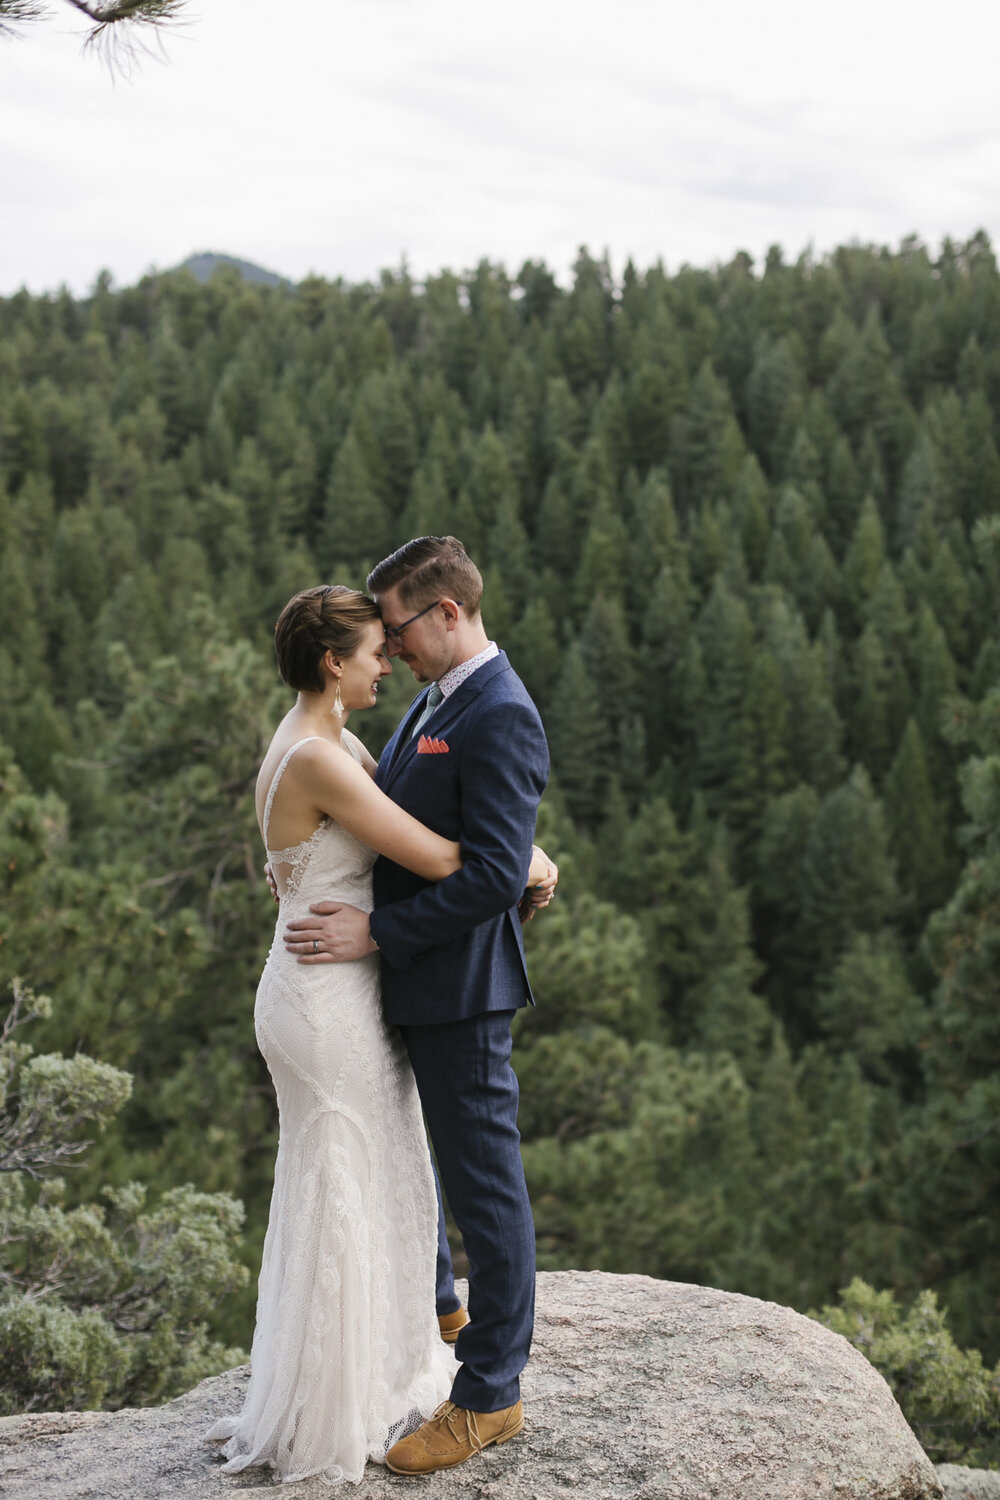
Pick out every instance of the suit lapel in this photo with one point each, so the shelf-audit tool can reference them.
(451, 709)
(399, 740)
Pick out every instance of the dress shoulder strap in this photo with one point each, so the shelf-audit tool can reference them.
(277, 777)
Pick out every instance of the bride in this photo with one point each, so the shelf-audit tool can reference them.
(347, 1352)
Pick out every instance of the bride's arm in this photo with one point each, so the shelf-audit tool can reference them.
(339, 787)
(367, 758)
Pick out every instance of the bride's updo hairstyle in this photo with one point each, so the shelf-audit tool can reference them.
(331, 617)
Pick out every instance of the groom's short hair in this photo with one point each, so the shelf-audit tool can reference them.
(429, 568)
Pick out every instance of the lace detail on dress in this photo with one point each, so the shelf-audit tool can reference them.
(298, 855)
(347, 1346)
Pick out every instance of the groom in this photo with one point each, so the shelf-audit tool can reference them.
(469, 759)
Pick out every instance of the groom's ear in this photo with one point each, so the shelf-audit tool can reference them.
(452, 613)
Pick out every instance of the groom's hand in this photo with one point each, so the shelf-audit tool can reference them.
(335, 934)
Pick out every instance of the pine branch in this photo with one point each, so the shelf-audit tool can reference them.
(149, 12)
(44, 1101)
(29, 1148)
(114, 23)
(15, 13)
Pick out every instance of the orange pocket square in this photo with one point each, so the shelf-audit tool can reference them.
(431, 747)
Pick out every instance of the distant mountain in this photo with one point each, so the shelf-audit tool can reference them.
(203, 264)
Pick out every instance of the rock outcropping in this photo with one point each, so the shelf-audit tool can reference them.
(969, 1484)
(637, 1390)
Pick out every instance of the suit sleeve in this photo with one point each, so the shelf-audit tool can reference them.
(502, 774)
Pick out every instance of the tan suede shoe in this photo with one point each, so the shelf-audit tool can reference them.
(451, 1324)
(451, 1436)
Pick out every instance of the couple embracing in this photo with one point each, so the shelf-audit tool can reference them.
(388, 993)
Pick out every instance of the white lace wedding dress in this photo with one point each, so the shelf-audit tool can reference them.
(347, 1354)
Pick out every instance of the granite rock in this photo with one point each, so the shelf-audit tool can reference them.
(969, 1484)
(637, 1390)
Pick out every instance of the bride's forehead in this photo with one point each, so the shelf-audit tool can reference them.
(374, 634)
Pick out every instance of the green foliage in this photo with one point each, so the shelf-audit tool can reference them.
(848, 880)
(105, 1303)
(949, 1399)
(589, 963)
(867, 1006)
(630, 1132)
(739, 533)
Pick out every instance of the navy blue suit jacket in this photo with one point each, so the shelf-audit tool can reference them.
(453, 948)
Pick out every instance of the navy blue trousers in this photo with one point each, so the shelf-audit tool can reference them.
(469, 1094)
(445, 1297)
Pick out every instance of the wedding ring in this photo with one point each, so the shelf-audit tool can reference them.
(315, 945)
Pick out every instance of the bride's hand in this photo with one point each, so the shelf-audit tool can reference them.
(543, 871)
(543, 876)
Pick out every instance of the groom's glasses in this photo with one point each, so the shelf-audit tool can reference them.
(396, 631)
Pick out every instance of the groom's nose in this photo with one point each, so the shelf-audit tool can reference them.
(392, 646)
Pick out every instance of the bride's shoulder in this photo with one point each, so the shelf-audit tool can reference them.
(323, 762)
(359, 750)
(318, 753)
(297, 755)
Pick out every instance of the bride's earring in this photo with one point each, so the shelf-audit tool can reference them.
(338, 702)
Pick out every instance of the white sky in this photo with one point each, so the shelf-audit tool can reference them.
(337, 136)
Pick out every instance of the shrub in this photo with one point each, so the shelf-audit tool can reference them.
(102, 1304)
(949, 1399)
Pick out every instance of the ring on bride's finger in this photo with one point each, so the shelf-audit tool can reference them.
(315, 945)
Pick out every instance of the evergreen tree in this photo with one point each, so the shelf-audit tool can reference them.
(774, 400)
(579, 736)
(917, 826)
(920, 490)
(533, 647)
(867, 1007)
(725, 770)
(961, 1175)
(602, 570)
(870, 734)
(848, 876)
(707, 450)
(865, 559)
(386, 432)
(355, 524)
(103, 1304)
(752, 509)
(815, 729)
(654, 539)
(591, 967)
(558, 538)
(490, 482)
(844, 493)
(725, 1014)
(737, 530)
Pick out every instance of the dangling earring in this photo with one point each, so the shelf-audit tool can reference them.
(338, 702)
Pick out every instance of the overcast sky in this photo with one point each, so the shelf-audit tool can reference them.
(338, 136)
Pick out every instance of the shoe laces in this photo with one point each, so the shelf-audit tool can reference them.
(448, 1412)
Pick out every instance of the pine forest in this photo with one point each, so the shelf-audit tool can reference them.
(740, 535)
